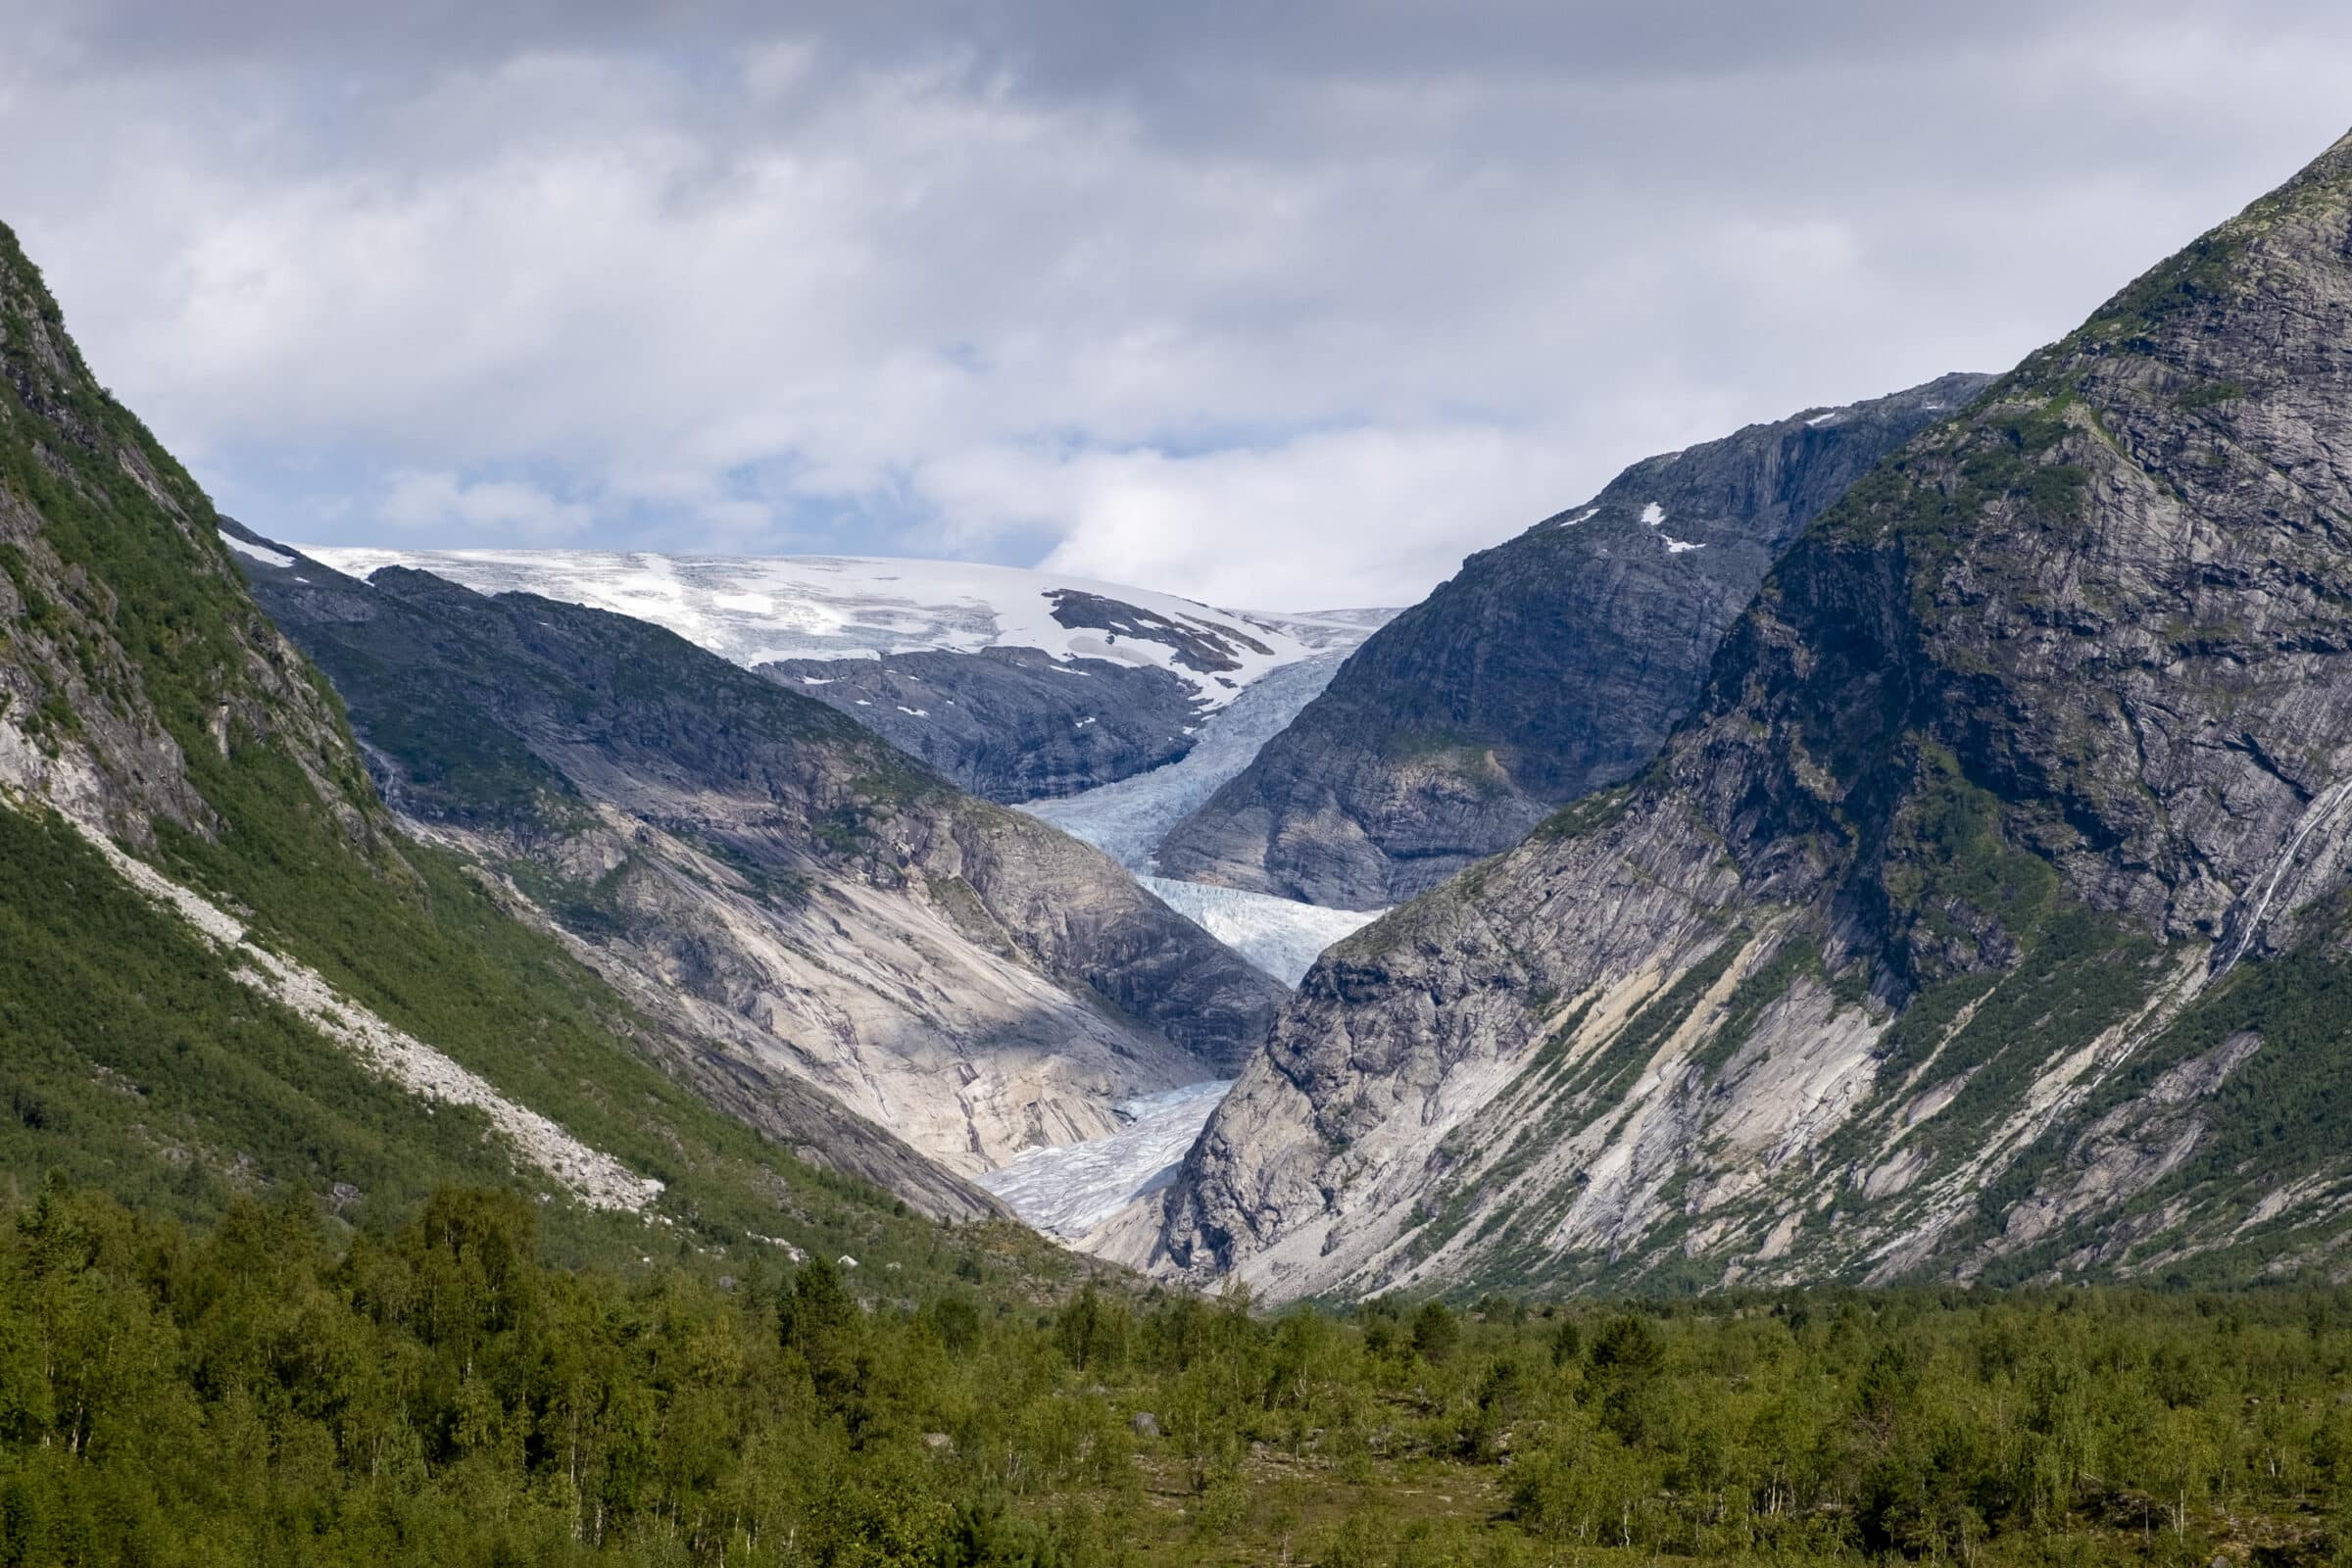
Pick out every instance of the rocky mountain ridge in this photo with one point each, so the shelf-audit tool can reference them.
(777, 881)
(230, 975)
(1986, 920)
(1550, 665)
(1018, 684)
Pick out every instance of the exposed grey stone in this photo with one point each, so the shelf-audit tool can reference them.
(2082, 653)
(1548, 666)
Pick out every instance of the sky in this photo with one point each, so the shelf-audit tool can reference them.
(1283, 307)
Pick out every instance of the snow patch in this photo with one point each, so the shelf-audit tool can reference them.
(1675, 546)
(1654, 514)
(1830, 418)
(254, 552)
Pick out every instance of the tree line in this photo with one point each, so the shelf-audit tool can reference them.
(267, 1391)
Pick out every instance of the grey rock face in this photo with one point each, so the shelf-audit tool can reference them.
(1010, 725)
(1550, 666)
(1986, 920)
(803, 903)
(79, 725)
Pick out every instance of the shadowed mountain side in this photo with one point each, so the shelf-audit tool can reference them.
(767, 873)
(1550, 666)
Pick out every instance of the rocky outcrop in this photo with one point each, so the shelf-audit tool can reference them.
(109, 559)
(1010, 725)
(1550, 666)
(1938, 940)
(1018, 684)
(214, 919)
(810, 904)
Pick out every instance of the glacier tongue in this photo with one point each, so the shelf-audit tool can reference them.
(1066, 1190)
(1127, 820)
(1280, 936)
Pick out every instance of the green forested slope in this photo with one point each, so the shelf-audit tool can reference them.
(142, 694)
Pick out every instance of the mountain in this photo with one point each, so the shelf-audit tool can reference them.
(784, 887)
(1986, 920)
(1550, 666)
(1019, 685)
(225, 971)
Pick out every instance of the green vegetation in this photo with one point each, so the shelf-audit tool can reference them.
(433, 1393)
(131, 1056)
(1581, 818)
(2273, 1123)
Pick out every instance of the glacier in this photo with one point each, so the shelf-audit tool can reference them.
(755, 610)
(1127, 820)
(1066, 1190)
(1280, 936)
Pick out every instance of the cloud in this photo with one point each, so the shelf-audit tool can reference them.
(487, 512)
(1291, 309)
(1260, 529)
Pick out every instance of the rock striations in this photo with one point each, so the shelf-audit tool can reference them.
(1986, 920)
(1550, 666)
(800, 899)
(229, 974)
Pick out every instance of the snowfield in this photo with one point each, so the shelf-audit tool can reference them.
(1069, 1189)
(756, 609)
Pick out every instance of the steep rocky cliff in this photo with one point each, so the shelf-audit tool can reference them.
(805, 900)
(1012, 724)
(1988, 918)
(226, 972)
(1550, 666)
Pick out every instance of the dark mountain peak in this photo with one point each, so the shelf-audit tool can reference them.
(1550, 665)
(1986, 918)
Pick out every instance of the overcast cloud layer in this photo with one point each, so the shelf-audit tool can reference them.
(1280, 306)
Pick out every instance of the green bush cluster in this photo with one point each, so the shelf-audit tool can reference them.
(436, 1393)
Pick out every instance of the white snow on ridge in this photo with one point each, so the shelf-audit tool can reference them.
(1831, 418)
(267, 558)
(1675, 546)
(1654, 514)
(1280, 936)
(1068, 1189)
(754, 609)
